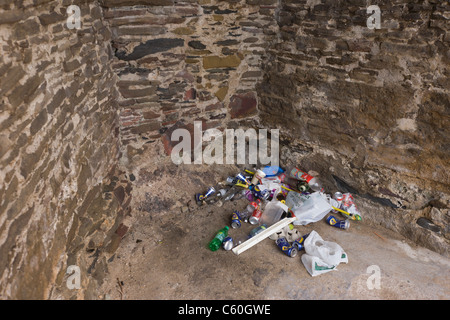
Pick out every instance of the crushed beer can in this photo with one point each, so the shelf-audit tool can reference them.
(299, 243)
(335, 222)
(202, 197)
(256, 216)
(241, 178)
(284, 245)
(228, 243)
(236, 220)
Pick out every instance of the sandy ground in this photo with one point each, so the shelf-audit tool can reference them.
(165, 256)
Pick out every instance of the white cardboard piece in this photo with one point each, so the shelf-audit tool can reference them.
(262, 235)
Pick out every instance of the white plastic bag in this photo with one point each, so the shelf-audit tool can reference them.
(321, 256)
(315, 266)
(309, 208)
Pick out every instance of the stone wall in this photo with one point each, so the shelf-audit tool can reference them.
(62, 200)
(368, 109)
(180, 61)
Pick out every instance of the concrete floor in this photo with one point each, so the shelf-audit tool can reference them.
(165, 254)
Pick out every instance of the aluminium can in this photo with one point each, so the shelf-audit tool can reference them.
(256, 216)
(228, 243)
(236, 220)
(284, 245)
(335, 222)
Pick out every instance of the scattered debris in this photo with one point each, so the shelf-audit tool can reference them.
(279, 200)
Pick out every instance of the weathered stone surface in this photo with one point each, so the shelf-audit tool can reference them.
(212, 62)
(150, 47)
(146, 127)
(243, 105)
(196, 44)
(221, 93)
(55, 95)
(361, 98)
(22, 93)
(141, 30)
(183, 31)
(119, 3)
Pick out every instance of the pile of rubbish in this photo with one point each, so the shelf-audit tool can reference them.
(280, 199)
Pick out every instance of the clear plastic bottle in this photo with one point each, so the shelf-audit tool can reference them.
(296, 173)
(257, 230)
(245, 215)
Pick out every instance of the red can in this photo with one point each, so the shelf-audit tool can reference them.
(256, 216)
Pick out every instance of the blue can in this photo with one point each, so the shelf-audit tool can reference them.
(210, 192)
(236, 220)
(335, 222)
(258, 193)
(284, 245)
(241, 178)
(200, 197)
(299, 243)
(228, 243)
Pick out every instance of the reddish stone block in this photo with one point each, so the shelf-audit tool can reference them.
(243, 105)
(191, 94)
(122, 230)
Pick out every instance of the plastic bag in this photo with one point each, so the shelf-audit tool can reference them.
(307, 208)
(321, 256)
(272, 171)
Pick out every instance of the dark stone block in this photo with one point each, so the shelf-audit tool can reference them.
(51, 18)
(226, 42)
(427, 224)
(146, 127)
(25, 29)
(150, 47)
(22, 93)
(119, 192)
(196, 45)
(38, 122)
(123, 3)
(226, 11)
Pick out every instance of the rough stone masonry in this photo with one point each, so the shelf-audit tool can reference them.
(367, 109)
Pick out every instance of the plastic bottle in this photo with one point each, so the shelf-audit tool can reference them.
(240, 238)
(273, 210)
(296, 173)
(299, 185)
(218, 239)
(249, 210)
(257, 230)
(230, 193)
